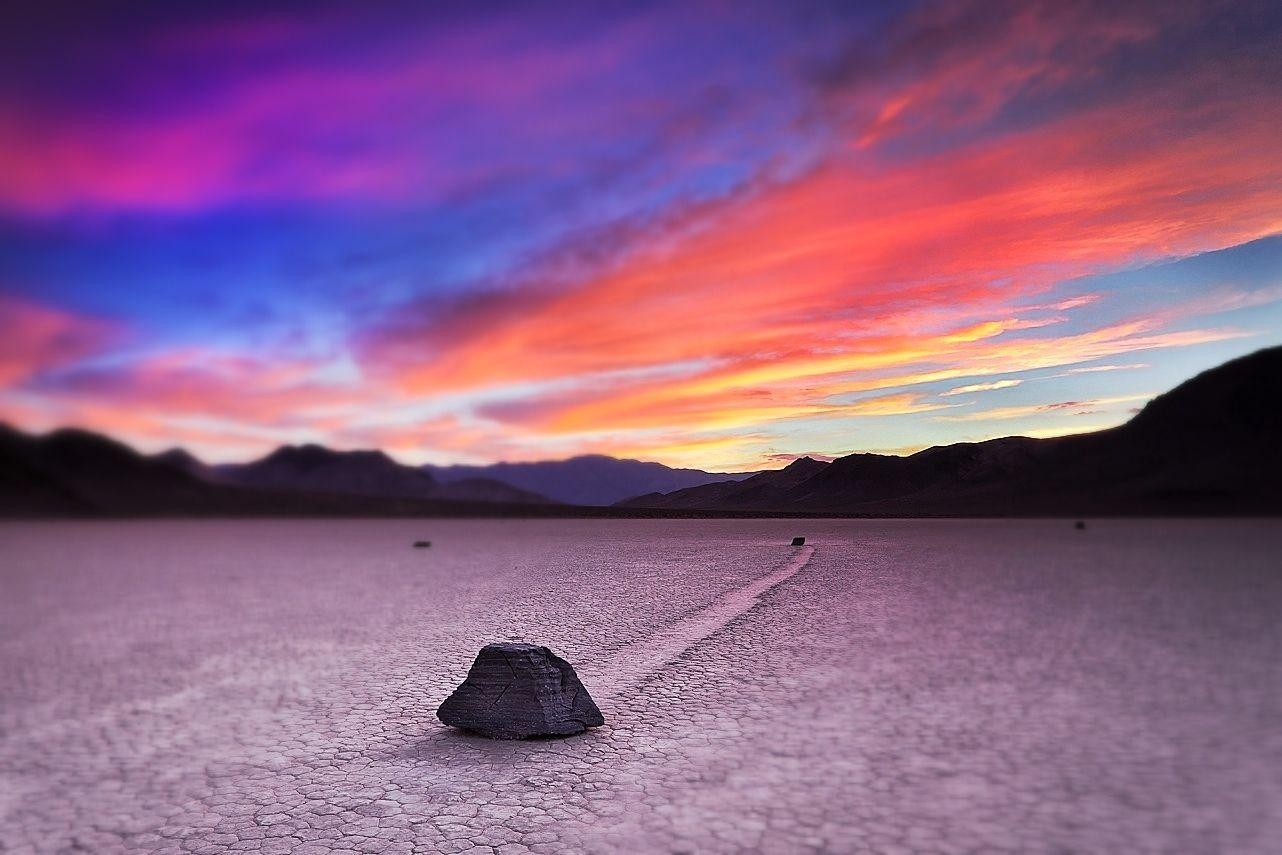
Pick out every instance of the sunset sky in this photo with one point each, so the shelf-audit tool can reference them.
(713, 234)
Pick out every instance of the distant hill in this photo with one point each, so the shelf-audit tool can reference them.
(313, 468)
(181, 458)
(764, 489)
(1212, 445)
(590, 479)
(74, 472)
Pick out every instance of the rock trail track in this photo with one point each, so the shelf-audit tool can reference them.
(645, 657)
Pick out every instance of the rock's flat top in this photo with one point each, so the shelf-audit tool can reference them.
(266, 687)
(517, 690)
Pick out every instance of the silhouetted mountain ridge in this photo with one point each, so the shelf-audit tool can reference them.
(1211, 445)
(363, 472)
(588, 479)
(73, 472)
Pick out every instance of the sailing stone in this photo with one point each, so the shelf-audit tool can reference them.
(516, 691)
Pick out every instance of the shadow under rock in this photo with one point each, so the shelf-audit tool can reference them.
(453, 744)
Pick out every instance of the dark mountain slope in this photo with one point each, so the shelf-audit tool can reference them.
(78, 473)
(1211, 445)
(181, 458)
(313, 468)
(73, 470)
(765, 489)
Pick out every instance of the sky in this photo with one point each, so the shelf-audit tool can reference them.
(712, 234)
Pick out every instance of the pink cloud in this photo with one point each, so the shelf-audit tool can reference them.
(265, 389)
(376, 129)
(39, 338)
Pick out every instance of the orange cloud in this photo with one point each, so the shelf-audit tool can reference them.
(812, 277)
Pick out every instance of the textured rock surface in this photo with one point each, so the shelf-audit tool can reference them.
(515, 691)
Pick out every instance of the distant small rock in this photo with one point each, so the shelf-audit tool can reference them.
(1079, 525)
(422, 544)
(798, 541)
(515, 691)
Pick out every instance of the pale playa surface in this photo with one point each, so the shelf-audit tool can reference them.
(946, 686)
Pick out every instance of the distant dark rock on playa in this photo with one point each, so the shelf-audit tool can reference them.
(515, 691)
(798, 541)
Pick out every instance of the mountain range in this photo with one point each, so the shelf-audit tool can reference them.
(80, 473)
(590, 479)
(1212, 445)
(72, 472)
(1209, 446)
(314, 468)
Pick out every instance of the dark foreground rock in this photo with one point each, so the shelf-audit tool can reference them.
(515, 691)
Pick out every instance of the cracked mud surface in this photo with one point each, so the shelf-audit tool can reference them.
(929, 686)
